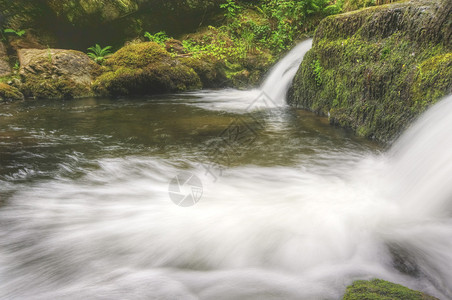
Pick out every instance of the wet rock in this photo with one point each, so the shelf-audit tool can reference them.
(56, 73)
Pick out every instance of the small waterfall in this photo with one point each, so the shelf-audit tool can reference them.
(281, 75)
(275, 86)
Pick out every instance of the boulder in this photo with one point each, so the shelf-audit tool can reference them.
(377, 69)
(5, 69)
(56, 73)
(145, 68)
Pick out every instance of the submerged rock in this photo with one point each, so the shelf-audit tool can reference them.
(383, 290)
(376, 69)
(145, 68)
(9, 93)
(56, 73)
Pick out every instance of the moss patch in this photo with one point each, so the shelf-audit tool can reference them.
(378, 289)
(54, 88)
(9, 93)
(137, 56)
(210, 70)
(374, 71)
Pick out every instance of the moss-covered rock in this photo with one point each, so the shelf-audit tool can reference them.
(145, 68)
(210, 71)
(374, 70)
(56, 73)
(350, 5)
(9, 93)
(378, 289)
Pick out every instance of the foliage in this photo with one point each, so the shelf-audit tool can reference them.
(19, 33)
(231, 8)
(16, 66)
(317, 70)
(159, 37)
(217, 43)
(49, 54)
(10, 31)
(98, 54)
(274, 24)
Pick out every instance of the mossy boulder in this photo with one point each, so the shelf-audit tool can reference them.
(211, 71)
(376, 69)
(145, 68)
(56, 73)
(9, 93)
(378, 289)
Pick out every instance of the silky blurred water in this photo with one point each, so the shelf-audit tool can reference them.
(298, 213)
(291, 207)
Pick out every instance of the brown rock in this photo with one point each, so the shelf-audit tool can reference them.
(56, 73)
(174, 46)
(5, 69)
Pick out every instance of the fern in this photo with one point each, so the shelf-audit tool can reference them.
(19, 33)
(98, 54)
(159, 37)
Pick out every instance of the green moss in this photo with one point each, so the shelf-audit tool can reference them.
(372, 71)
(378, 289)
(53, 88)
(137, 55)
(432, 80)
(155, 78)
(210, 71)
(9, 93)
(5, 79)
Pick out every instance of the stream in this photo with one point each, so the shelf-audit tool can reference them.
(286, 206)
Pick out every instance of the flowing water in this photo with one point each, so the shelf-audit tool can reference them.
(291, 207)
